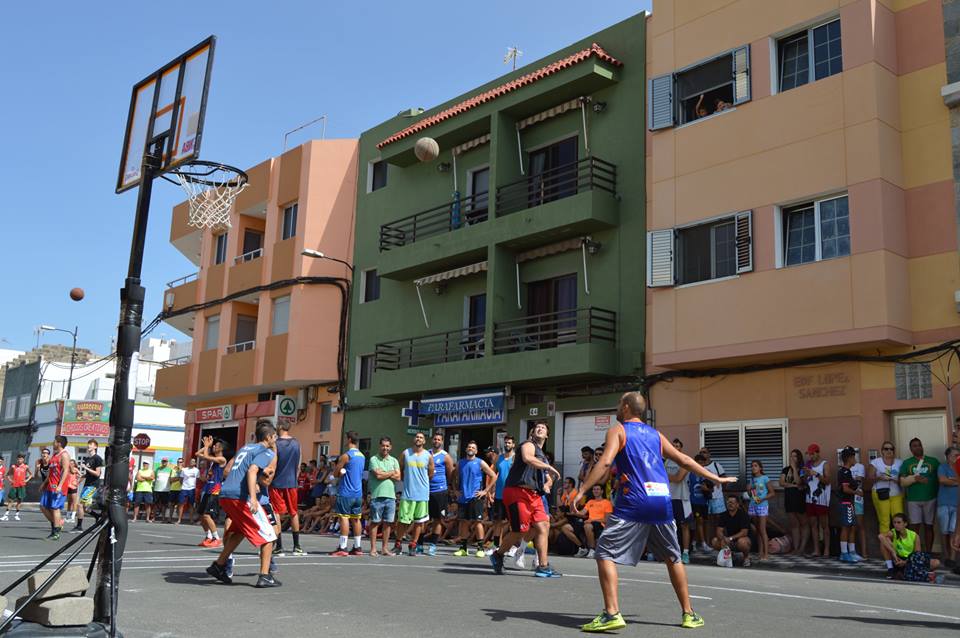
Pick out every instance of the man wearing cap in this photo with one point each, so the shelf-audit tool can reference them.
(816, 473)
(161, 488)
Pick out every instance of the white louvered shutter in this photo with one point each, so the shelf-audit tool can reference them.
(660, 258)
(660, 102)
(741, 75)
(724, 445)
(744, 229)
(764, 443)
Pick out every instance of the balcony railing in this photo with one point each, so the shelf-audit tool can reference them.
(465, 211)
(555, 329)
(557, 183)
(185, 279)
(443, 347)
(250, 256)
(242, 346)
(179, 361)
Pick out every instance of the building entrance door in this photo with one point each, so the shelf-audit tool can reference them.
(929, 427)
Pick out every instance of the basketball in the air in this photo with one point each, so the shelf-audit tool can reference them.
(76, 294)
(426, 149)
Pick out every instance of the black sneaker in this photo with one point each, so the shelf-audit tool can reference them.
(356, 551)
(267, 580)
(496, 559)
(220, 573)
(890, 573)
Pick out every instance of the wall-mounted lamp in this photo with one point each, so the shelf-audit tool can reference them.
(599, 107)
(443, 167)
(593, 247)
(439, 287)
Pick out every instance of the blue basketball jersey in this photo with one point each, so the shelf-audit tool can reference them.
(644, 492)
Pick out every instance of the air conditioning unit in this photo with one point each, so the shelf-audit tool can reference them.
(302, 399)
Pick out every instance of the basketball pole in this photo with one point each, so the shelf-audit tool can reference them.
(113, 540)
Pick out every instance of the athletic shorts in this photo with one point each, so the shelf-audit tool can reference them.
(717, 506)
(71, 491)
(814, 510)
(52, 500)
(597, 528)
(413, 512)
(268, 510)
(241, 520)
(623, 542)
(174, 497)
(87, 495)
(439, 501)
(847, 516)
(524, 507)
(947, 519)
(161, 498)
(678, 516)
(186, 496)
(17, 494)
(498, 512)
(348, 506)
(922, 511)
(210, 505)
(700, 511)
(143, 498)
(284, 500)
(472, 510)
(383, 509)
(758, 509)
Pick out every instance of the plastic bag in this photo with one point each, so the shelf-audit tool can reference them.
(725, 558)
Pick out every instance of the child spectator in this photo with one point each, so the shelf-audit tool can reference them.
(759, 507)
(699, 499)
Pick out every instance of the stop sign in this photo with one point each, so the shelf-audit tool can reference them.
(141, 441)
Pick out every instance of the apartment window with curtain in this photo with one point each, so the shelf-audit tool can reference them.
(220, 249)
(370, 283)
(281, 315)
(211, 333)
(10, 409)
(24, 408)
(809, 55)
(289, 221)
(714, 249)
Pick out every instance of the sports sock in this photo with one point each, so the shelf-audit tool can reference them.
(343, 542)
(278, 544)
(357, 542)
(296, 539)
(852, 547)
(216, 535)
(463, 545)
(889, 564)
(843, 547)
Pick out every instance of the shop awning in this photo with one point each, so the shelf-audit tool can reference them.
(550, 249)
(559, 109)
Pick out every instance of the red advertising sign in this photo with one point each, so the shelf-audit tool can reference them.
(601, 422)
(216, 413)
(86, 430)
(86, 419)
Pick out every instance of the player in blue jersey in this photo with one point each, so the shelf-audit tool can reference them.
(643, 513)
(283, 489)
(502, 467)
(211, 451)
(440, 483)
(349, 504)
(472, 498)
(239, 499)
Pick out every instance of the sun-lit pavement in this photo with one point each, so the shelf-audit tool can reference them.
(165, 592)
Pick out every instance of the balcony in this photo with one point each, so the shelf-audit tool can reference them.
(557, 183)
(442, 347)
(555, 330)
(181, 293)
(439, 220)
(173, 382)
(242, 346)
(245, 273)
(237, 366)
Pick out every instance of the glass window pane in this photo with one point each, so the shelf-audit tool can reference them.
(828, 50)
(794, 68)
(724, 250)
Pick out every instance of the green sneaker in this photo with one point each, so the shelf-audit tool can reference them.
(691, 620)
(460, 552)
(605, 622)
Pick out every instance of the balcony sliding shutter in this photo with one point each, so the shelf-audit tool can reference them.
(660, 258)
(660, 102)
(744, 228)
(741, 75)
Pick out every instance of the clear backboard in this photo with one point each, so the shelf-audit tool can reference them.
(167, 108)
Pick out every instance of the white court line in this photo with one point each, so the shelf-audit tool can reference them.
(154, 535)
(89, 553)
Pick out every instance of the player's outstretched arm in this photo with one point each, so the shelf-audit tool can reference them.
(688, 463)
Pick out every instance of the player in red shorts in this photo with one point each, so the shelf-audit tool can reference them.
(283, 490)
(238, 499)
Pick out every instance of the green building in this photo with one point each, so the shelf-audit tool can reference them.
(503, 281)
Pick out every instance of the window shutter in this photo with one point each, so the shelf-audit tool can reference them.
(660, 258)
(724, 444)
(661, 102)
(744, 241)
(741, 75)
(764, 443)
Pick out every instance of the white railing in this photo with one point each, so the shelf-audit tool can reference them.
(179, 361)
(250, 256)
(243, 346)
(183, 280)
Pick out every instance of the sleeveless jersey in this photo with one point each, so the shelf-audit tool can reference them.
(643, 494)
(503, 471)
(44, 472)
(523, 475)
(351, 483)
(55, 473)
(438, 482)
(823, 484)
(471, 478)
(416, 479)
(288, 456)
(19, 475)
(214, 479)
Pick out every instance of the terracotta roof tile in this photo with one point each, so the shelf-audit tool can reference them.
(595, 50)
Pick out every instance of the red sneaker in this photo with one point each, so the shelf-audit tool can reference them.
(216, 543)
(205, 542)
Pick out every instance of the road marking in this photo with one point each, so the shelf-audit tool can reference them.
(154, 535)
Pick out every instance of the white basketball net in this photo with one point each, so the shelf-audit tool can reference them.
(210, 204)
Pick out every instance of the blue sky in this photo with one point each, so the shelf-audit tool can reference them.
(67, 70)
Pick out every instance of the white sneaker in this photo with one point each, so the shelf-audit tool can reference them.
(704, 547)
(512, 551)
(582, 552)
(536, 561)
(518, 561)
(5, 517)
(589, 553)
(16, 516)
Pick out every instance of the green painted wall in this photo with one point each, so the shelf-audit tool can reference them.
(616, 273)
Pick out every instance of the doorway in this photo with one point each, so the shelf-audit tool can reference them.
(225, 433)
(552, 309)
(553, 172)
(929, 427)
(252, 240)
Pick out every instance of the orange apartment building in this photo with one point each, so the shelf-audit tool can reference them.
(266, 320)
(806, 210)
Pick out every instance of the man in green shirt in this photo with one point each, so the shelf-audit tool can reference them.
(384, 470)
(918, 475)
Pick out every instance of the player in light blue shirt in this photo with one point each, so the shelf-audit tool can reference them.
(349, 504)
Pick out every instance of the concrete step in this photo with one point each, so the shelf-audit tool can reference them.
(59, 612)
(73, 580)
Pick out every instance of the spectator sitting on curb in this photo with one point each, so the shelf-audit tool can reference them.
(598, 509)
(905, 560)
(733, 530)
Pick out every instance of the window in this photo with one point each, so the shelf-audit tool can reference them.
(289, 222)
(24, 408)
(246, 331)
(252, 242)
(211, 336)
(913, 381)
(220, 254)
(794, 53)
(479, 196)
(711, 250)
(736, 445)
(326, 416)
(365, 365)
(281, 315)
(376, 176)
(10, 410)
(706, 88)
(323, 449)
(370, 286)
(553, 172)
(816, 230)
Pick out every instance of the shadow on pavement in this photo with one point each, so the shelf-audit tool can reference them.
(190, 578)
(557, 619)
(900, 622)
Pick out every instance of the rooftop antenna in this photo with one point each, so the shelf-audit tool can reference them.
(512, 54)
(323, 130)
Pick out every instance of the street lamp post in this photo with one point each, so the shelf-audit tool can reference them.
(316, 254)
(73, 352)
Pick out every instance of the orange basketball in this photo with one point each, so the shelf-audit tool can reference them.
(76, 294)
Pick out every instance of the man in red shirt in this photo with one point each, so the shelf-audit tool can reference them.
(19, 476)
(54, 490)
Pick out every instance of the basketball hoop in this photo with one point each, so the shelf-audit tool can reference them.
(211, 189)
